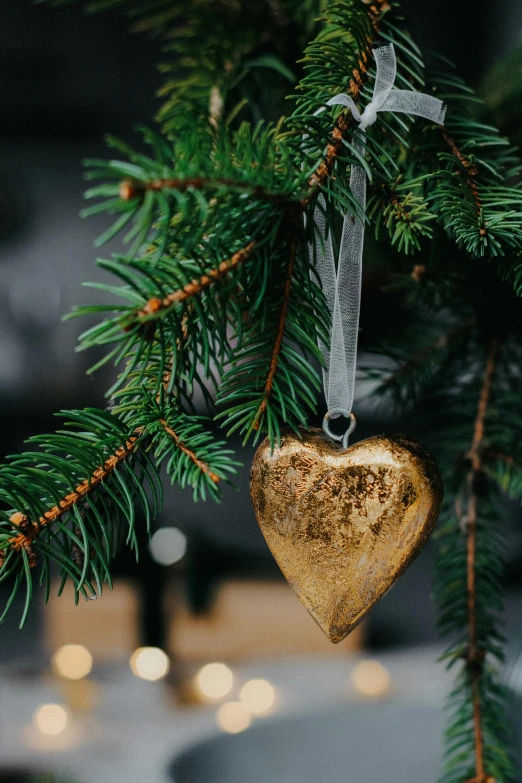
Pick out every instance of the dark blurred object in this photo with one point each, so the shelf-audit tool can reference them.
(18, 776)
(71, 75)
(28, 776)
(67, 78)
(323, 746)
(502, 91)
(15, 206)
(472, 36)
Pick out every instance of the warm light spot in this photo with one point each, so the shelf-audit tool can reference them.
(149, 663)
(72, 661)
(233, 717)
(370, 678)
(168, 545)
(258, 696)
(50, 719)
(214, 681)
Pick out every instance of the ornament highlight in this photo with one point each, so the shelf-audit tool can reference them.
(343, 524)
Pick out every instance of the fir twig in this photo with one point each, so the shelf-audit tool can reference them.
(470, 170)
(344, 122)
(31, 529)
(202, 466)
(474, 655)
(130, 189)
(276, 351)
(156, 305)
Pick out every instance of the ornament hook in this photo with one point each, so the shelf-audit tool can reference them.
(334, 414)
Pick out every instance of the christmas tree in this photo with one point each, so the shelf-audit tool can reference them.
(218, 297)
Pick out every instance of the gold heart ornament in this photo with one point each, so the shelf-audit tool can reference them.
(343, 524)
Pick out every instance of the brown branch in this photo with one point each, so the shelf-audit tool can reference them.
(474, 656)
(342, 126)
(30, 530)
(471, 172)
(478, 433)
(130, 189)
(322, 172)
(276, 351)
(376, 9)
(192, 456)
(156, 305)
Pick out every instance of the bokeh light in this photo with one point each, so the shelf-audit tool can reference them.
(72, 661)
(168, 545)
(51, 719)
(370, 678)
(233, 717)
(149, 663)
(214, 681)
(258, 696)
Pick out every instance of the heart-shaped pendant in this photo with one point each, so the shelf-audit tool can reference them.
(344, 524)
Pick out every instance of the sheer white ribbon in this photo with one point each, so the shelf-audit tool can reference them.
(342, 285)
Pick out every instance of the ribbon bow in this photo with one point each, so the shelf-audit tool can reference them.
(342, 286)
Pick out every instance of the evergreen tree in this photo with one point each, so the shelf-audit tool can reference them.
(218, 295)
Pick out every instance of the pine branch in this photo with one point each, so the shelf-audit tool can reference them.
(70, 502)
(194, 458)
(31, 529)
(471, 173)
(476, 194)
(205, 300)
(193, 288)
(359, 73)
(239, 164)
(131, 189)
(81, 529)
(244, 306)
(396, 378)
(468, 584)
(270, 379)
(202, 466)
(278, 343)
(404, 211)
(474, 654)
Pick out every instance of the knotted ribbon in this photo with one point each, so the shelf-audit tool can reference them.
(342, 285)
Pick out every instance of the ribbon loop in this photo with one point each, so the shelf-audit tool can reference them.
(341, 284)
(386, 66)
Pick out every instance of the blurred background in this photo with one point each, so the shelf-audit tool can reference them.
(203, 638)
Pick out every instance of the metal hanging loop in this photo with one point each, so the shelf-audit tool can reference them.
(334, 414)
